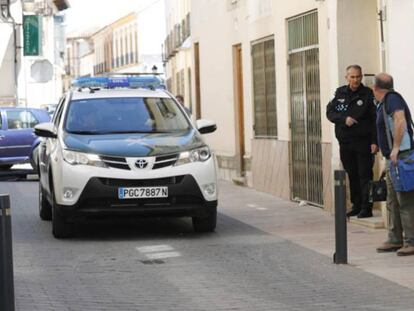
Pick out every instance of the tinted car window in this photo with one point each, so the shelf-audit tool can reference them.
(18, 119)
(125, 115)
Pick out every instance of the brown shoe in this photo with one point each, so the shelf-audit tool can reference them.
(388, 247)
(407, 250)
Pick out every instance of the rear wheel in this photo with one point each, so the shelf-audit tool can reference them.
(5, 166)
(45, 209)
(205, 223)
(60, 228)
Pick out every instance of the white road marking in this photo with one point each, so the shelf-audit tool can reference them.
(262, 209)
(164, 255)
(251, 205)
(154, 248)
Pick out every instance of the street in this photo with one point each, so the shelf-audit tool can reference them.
(161, 264)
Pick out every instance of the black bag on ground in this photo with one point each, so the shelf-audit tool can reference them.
(378, 189)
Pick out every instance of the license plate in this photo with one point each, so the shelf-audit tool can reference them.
(142, 192)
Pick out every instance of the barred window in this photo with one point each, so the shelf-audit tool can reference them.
(182, 83)
(264, 88)
(177, 83)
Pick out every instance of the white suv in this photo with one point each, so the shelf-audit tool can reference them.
(122, 147)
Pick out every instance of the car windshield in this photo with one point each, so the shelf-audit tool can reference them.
(125, 115)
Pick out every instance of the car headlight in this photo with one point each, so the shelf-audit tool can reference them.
(80, 158)
(197, 155)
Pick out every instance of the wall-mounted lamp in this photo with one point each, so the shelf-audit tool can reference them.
(5, 9)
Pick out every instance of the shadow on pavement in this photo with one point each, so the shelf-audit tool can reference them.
(150, 228)
(18, 174)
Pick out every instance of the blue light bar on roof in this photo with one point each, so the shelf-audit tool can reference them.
(144, 81)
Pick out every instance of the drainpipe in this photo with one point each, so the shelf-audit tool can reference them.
(11, 20)
(16, 48)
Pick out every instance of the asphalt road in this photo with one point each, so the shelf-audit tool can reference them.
(161, 264)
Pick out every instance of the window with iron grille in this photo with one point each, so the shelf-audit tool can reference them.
(264, 88)
(177, 83)
(189, 87)
(182, 84)
(168, 83)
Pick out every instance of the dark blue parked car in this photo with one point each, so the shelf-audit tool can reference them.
(17, 140)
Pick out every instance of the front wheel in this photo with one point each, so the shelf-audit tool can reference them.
(60, 228)
(205, 223)
(34, 159)
(45, 209)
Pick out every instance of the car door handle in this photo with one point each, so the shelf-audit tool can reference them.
(1, 137)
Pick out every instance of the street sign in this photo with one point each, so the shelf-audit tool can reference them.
(31, 35)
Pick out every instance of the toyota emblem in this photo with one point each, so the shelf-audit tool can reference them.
(141, 163)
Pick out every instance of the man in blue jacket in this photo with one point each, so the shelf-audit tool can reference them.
(352, 110)
(400, 205)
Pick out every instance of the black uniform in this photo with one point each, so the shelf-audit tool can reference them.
(355, 141)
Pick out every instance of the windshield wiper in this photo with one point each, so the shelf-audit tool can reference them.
(85, 132)
(137, 132)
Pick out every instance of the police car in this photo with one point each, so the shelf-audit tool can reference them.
(121, 146)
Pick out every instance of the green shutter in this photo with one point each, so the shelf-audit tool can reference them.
(264, 88)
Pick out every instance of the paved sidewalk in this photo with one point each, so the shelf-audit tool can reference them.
(313, 228)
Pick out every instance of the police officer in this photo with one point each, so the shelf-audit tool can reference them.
(353, 112)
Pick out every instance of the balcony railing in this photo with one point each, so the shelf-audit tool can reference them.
(180, 32)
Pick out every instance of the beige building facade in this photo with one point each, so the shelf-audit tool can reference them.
(131, 44)
(79, 57)
(116, 47)
(265, 71)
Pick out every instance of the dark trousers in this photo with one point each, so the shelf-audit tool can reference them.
(358, 161)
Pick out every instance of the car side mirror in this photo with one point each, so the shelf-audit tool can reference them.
(47, 130)
(206, 126)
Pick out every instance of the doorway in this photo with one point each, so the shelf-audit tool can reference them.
(306, 153)
(238, 108)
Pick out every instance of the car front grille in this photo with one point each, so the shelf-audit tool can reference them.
(121, 163)
(165, 160)
(116, 162)
(152, 202)
(141, 182)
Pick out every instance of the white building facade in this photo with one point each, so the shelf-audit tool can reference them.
(265, 71)
(36, 79)
(397, 46)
